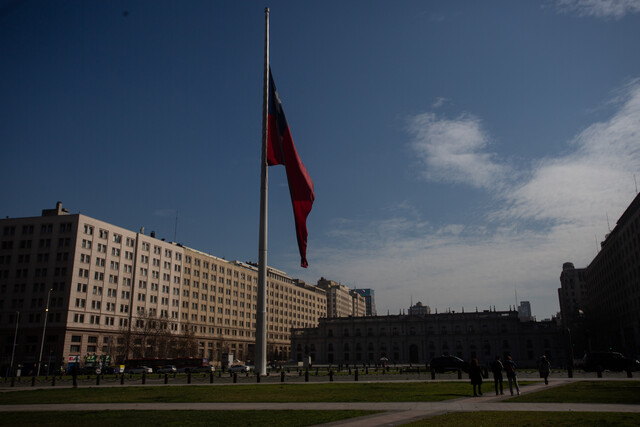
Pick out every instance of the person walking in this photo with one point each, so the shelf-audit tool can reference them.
(512, 375)
(544, 367)
(475, 374)
(496, 368)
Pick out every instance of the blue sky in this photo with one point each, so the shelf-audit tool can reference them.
(460, 150)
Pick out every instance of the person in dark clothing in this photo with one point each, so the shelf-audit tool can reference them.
(544, 367)
(475, 374)
(512, 375)
(496, 368)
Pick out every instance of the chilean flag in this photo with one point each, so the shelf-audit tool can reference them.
(282, 151)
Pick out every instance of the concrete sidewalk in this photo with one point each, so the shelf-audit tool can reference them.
(396, 413)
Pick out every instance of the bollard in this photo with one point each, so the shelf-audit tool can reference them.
(144, 378)
(459, 374)
(331, 376)
(349, 370)
(599, 374)
(366, 370)
(33, 381)
(570, 372)
(282, 376)
(433, 374)
(306, 376)
(13, 381)
(97, 379)
(235, 377)
(53, 381)
(166, 378)
(189, 377)
(220, 373)
(316, 372)
(122, 378)
(356, 375)
(258, 377)
(211, 378)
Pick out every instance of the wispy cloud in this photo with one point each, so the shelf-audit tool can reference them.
(455, 150)
(608, 9)
(596, 178)
(550, 215)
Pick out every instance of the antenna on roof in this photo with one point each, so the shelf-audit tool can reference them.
(608, 226)
(175, 228)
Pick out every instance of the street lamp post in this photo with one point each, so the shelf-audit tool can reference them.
(15, 338)
(44, 331)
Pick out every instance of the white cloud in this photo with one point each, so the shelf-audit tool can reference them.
(439, 103)
(615, 9)
(595, 179)
(454, 151)
(553, 214)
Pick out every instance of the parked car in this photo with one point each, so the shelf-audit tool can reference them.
(198, 369)
(599, 361)
(448, 363)
(168, 369)
(140, 370)
(238, 368)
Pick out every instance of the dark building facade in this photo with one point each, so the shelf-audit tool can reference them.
(613, 280)
(417, 338)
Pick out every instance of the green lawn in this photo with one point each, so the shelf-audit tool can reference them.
(587, 392)
(530, 419)
(331, 392)
(175, 418)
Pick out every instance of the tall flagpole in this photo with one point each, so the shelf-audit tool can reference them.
(261, 320)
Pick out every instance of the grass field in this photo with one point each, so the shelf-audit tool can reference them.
(530, 419)
(332, 392)
(176, 418)
(623, 392)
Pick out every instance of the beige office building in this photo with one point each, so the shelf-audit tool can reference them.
(339, 298)
(99, 280)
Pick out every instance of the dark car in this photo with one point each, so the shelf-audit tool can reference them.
(599, 361)
(448, 363)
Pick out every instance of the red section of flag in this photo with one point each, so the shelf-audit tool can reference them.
(282, 151)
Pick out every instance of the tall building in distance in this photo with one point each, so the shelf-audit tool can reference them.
(419, 309)
(339, 298)
(359, 305)
(102, 283)
(524, 311)
(370, 300)
(572, 294)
